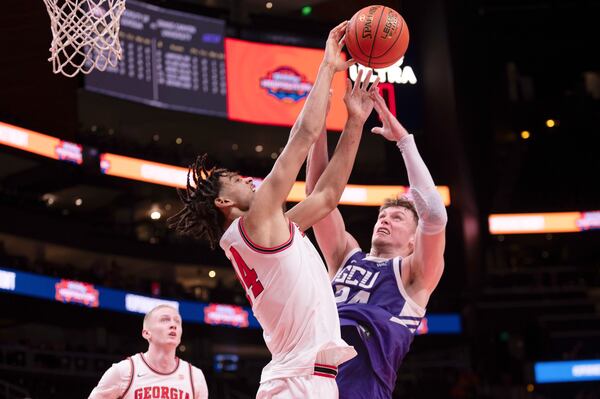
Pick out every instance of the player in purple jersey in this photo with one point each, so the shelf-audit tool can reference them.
(381, 295)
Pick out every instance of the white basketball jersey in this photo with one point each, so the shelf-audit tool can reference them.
(147, 383)
(291, 296)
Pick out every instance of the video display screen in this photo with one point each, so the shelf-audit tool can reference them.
(268, 84)
(170, 60)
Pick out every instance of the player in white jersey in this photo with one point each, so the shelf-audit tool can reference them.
(284, 277)
(158, 373)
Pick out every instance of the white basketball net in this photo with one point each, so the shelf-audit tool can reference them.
(85, 34)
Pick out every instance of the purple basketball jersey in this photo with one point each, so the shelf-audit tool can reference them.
(378, 318)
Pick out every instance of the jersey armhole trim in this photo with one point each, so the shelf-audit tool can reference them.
(417, 309)
(192, 381)
(130, 378)
(265, 250)
(350, 254)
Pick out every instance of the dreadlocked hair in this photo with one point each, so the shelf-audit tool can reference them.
(199, 217)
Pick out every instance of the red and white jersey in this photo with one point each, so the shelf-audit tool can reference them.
(134, 378)
(292, 298)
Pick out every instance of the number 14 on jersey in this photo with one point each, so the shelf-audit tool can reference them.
(247, 276)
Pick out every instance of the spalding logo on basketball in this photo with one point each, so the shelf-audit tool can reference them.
(377, 36)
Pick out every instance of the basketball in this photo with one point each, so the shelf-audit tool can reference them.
(377, 36)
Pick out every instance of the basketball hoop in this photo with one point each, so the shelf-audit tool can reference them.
(85, 35)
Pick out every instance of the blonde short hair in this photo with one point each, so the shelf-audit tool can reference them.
(156, 308)
(403, 202)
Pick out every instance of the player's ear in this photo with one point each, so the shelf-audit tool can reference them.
(222, 202)
(146, 334)
(411, 244)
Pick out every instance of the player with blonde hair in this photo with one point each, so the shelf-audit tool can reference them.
(157, 373)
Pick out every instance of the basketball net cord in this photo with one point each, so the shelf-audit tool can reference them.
(85, 35)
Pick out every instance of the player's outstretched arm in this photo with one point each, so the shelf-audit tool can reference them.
(275, 188)
(426, 263)
(333, 239)
(330, 186)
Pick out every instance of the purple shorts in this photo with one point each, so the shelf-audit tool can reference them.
(357, 378)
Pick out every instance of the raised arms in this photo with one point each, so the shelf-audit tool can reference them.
(265, 220)
(330, 186)
(426, 263)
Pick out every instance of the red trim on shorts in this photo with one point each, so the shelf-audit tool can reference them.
(261, 249)
(334, 368)
(130, 378)
(325, 370)
(158, 372)
(323, 375)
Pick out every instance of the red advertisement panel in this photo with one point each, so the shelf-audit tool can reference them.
(268, 84)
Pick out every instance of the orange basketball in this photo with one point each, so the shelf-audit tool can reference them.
(377, 36)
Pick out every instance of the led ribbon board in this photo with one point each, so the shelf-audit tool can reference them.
(92, 296)
(575, 371)
(175, 176)
(40, 144)
(531, 223)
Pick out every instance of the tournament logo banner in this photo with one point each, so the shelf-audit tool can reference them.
(229, 315)
(285, 83)
(268, 84)
(69, 291)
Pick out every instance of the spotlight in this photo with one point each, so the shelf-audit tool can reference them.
(50, 199)
(212, 274)
(155, 215)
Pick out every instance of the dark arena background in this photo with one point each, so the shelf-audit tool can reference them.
(503, 98)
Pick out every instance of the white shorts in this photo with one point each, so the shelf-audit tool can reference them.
(303, 387)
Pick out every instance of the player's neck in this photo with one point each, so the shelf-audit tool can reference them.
(385, 252)
(231, 215)
(161, 358)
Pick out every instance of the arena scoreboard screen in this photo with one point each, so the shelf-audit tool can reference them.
(268, 84)
(170, 60)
